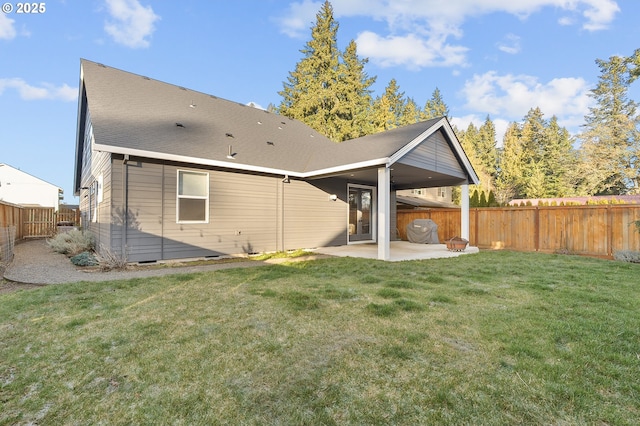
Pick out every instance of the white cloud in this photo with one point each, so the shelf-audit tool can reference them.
(512, 96)
(131, 24)
(410, 51)
(510, 44)
(299, 18)
(46, 91)
(600, 15)
(7, 31)
(422, 29)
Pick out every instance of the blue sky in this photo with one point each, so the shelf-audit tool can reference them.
(487, 57)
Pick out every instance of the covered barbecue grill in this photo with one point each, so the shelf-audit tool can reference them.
(423, 231)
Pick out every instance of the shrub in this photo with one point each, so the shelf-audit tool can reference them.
(492, 200)
(72, 242)
(627, 256)
(108, 259)
(84, 259)
(483, 200)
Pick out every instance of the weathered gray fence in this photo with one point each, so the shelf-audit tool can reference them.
(7, 242)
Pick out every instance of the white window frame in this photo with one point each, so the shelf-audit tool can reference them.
(442, 192)
(192, 197)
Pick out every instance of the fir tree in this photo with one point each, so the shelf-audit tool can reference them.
(389, 109)
(483, 200)
(509, 180)
(486, 152)
(411, 113)
(560, 158)
(328, 90)
(474, 200)
(611, 140)
(634, 64)
(435, 107)
(354, 95)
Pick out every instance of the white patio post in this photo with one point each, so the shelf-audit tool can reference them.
(464, 212)
(384, 212)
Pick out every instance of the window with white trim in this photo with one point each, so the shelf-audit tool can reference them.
(192, 204)
(442, 192)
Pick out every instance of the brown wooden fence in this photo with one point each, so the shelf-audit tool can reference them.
(34, 222)
(594, 230)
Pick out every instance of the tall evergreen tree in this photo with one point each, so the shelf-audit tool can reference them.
(329, 90)
(509, 181)
(411, 113)
(469, 140)
(634, 63)
(533, 137)
(354, 95)
(560, 160)
(389, 109)
(435, 107)
(486, 148)
(611, 138)
(310, 93)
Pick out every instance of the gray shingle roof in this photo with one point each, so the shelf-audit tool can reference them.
(138, 115)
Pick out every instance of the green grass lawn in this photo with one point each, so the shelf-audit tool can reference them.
(493, 338)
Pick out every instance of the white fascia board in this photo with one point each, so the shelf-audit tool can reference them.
(347, 167)
(238, 166)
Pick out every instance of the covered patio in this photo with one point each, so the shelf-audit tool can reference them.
(398, 251)
(422, 155)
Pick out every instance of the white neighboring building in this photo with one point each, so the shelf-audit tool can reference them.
(426, 198)
(23, 189)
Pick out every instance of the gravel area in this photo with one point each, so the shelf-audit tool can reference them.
(36, 263)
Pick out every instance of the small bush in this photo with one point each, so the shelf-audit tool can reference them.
(84, 259)
(108, 259)
(627, 256)
(72, 242)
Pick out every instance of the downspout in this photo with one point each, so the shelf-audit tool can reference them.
(125, 204)
(284, 182)
(282, 215)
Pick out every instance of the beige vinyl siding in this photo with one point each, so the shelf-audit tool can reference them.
(434, 154)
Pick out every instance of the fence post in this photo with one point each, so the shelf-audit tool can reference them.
(536, 228)
(609, 231)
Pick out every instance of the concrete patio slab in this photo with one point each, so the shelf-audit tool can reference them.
(399, 251)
